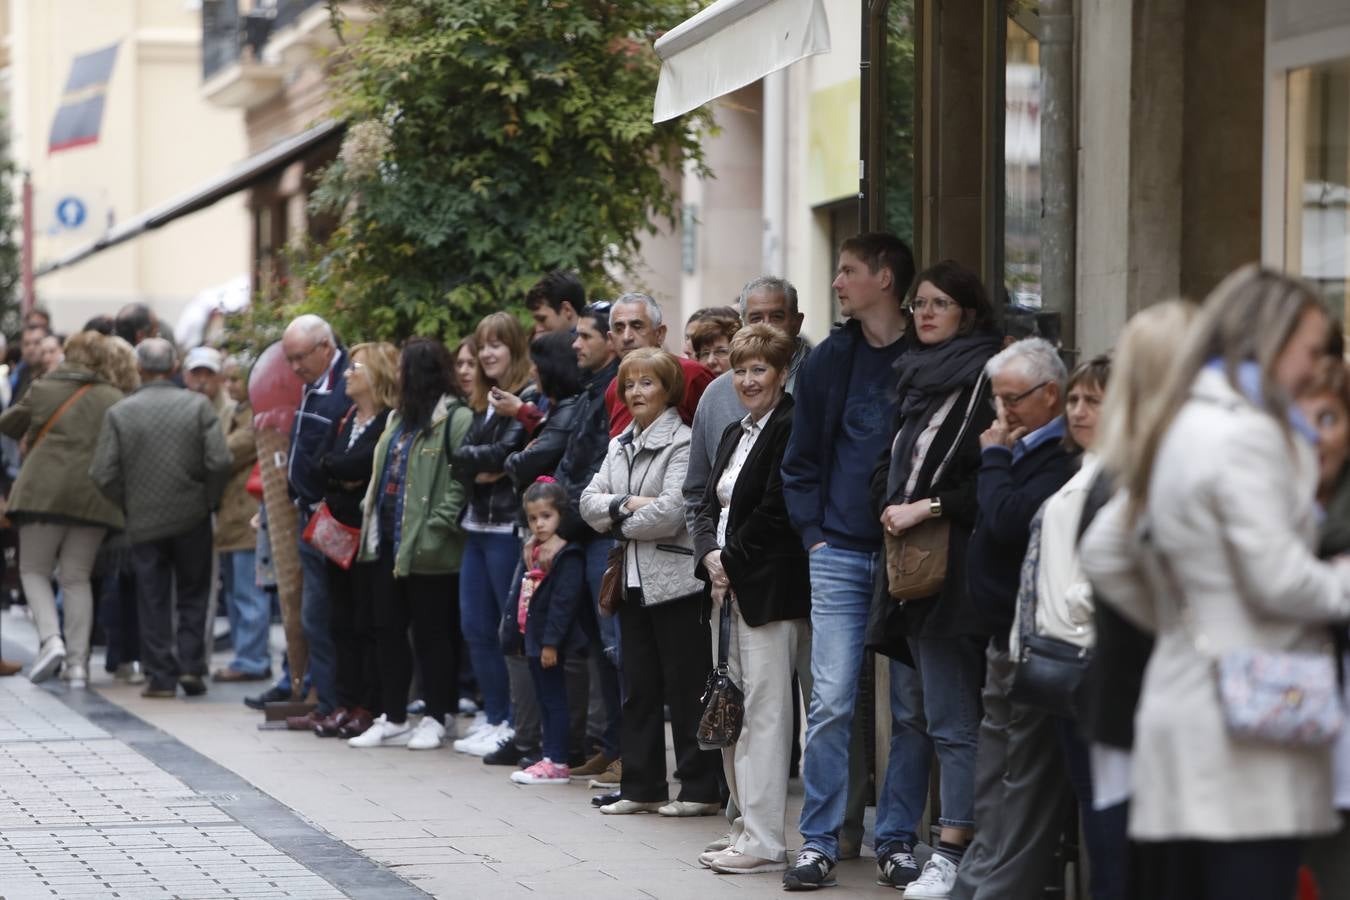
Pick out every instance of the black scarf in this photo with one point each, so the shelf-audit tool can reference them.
(927, 377)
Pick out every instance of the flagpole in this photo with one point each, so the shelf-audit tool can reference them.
(26, 252)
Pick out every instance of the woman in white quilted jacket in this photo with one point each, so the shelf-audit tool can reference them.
(636, 497)
(1209, 545)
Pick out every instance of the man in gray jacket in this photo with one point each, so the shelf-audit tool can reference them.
(161, 455)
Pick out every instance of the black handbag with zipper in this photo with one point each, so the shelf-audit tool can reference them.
(723, 702)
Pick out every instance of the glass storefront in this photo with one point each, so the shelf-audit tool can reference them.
(1317, 217)
(1022, 164)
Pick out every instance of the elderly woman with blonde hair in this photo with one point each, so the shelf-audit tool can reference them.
(637, 498)
(61, 514)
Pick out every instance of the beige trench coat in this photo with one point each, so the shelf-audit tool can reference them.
(1231, 510)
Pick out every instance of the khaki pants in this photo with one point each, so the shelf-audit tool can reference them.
(761, 661)
(69, 551)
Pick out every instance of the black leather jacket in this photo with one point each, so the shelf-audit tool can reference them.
(585, 451)
(542, 454)
(490, 440)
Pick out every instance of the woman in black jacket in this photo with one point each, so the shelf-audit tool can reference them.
(937, 643)
(752, 560)
(491, 546)
(559, 380)
(372, 384)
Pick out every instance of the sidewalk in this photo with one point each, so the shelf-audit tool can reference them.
(444, 822)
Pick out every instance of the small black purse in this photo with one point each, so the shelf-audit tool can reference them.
(723, 702)
(1050, 675)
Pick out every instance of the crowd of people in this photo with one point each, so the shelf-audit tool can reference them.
(1111, 598)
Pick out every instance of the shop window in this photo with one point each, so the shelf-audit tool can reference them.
(1022, 163)
(1317, 215)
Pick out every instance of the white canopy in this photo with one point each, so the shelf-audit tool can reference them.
(733, 43)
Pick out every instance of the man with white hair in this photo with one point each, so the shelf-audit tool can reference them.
(634, 322)
(316, 356)
(1020, 786)
(161, 456)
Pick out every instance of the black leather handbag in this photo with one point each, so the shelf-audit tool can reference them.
(723, 702)
(1049, 675)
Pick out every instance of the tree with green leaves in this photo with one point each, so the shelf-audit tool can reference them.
(10, 275)
(488, 142)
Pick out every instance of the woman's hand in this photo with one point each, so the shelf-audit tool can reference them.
(899, 519)
(256, 522)
(712, 562)
(504, 403)
(636, 503)
(548, 657)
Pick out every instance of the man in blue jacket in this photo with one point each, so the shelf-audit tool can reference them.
(315, 355)
(839, 429)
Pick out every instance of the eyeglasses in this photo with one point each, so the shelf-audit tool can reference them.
(1010, 402)
(715, 352)
(300, 357)
(356, 366)
(937, 304)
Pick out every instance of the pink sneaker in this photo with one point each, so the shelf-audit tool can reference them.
(546, 771)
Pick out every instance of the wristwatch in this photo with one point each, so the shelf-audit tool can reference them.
(935, 508)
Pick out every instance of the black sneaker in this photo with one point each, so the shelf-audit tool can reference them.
(896, 866)
(813, 870)
(606, 799)
(192, 685)
(273, 694)
(507, 754)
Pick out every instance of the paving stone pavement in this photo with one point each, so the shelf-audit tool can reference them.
(208, 805)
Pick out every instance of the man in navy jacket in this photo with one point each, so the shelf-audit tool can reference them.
(1020, 782)
(840, 426)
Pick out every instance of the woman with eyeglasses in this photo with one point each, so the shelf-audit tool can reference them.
(936, 643)
(710, 338)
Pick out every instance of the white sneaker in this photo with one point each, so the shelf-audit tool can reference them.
(383, 733)
(490, 740)
(52, 654)
(76, 676)
(936, 880)
(475, 731)
(428, 735)
(468, 708)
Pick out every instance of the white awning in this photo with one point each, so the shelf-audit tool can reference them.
(733, 43)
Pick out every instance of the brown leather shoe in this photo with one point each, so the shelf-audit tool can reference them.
(9, 668)
(229, 676)
(357, 723)
(329, 727)
(305, 722)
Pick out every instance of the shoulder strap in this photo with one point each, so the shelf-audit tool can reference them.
(960, 435)
(60, 411)
(347, 417)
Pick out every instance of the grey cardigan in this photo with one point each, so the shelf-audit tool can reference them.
(658, 552)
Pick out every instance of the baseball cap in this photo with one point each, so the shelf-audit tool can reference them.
(202, 358)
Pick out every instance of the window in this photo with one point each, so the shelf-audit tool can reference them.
(1317, 214)
(1022, 164)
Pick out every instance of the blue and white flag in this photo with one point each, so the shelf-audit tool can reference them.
(80, 115)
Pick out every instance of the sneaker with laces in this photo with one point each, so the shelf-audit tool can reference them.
(475, 733)
(610, 779)
(936, 880)
(812, 870)
(383, 733)
(428, 734)
(488, 740)
(546, 771)
(52, 654)
(896, 866)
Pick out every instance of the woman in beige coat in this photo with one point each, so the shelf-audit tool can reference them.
(1210, 546)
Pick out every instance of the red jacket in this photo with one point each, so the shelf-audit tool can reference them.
(697, 377)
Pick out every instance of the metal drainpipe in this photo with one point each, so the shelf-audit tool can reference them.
(1058, 168)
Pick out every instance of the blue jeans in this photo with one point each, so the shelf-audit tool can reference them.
(935, 708)
(249, 611)
(484, 583)
(316, 614)
(606, 663)
(841, 596)
(550, 689)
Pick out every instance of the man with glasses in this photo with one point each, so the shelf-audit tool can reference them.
(314, 354)
(1019, 775)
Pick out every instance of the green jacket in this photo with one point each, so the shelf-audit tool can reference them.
(431, 540)
(54, 482)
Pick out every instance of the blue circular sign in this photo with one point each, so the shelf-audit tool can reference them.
(70, 212)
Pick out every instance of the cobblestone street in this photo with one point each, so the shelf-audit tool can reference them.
(103, 793)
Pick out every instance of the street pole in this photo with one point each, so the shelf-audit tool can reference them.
(1058, 168)
(26, 252)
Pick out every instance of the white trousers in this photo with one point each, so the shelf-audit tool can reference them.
(68, 551)
(761, 662)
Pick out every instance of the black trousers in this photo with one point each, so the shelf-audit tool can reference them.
(117, 614)
(1212, 870)
(430, 605)
(666, 656)
(353, 627)
(173, 574)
